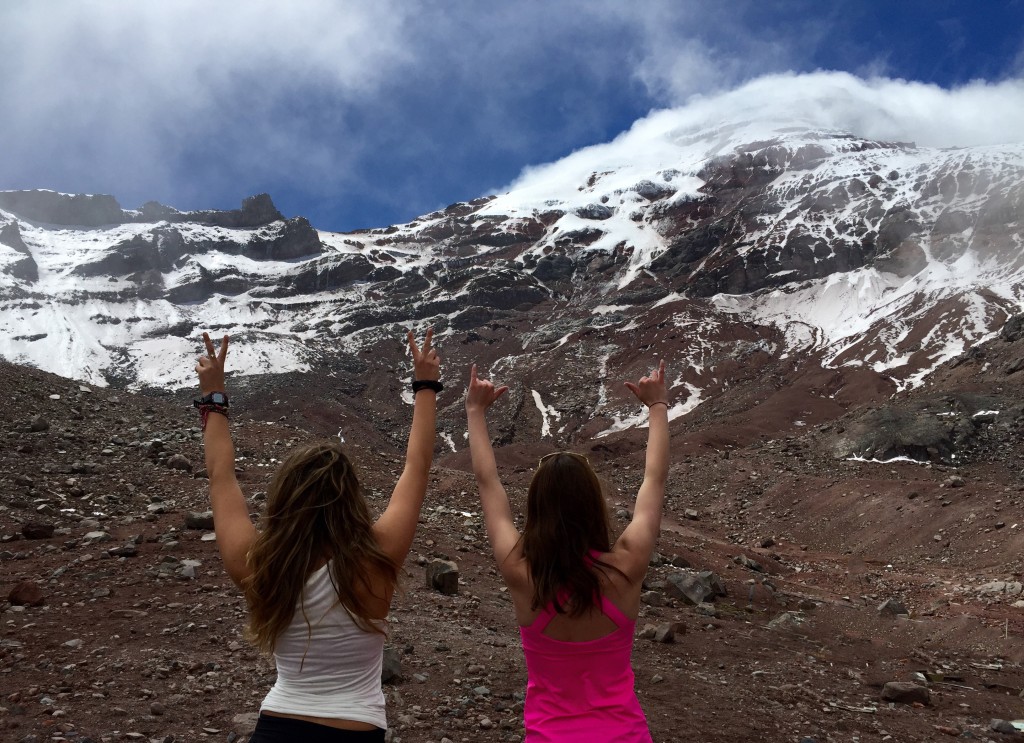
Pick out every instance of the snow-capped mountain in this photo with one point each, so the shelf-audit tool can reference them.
(702, 244)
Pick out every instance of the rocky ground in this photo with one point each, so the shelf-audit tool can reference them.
(823, 579)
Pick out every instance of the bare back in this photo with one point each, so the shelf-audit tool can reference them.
(615, 586)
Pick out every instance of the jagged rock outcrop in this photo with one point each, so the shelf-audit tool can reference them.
(935, 430)
(80, 210)
(24, 268)
(256, 211)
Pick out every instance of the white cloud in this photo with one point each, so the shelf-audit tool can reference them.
(977, 114)
(180, 100)
(127, 87)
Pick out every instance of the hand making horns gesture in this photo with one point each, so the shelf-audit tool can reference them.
(481, 393)
(651, 389)
(426, 364)
(210, 367)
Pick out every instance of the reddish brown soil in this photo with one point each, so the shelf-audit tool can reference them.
(162, 655)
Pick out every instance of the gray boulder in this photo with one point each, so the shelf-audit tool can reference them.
(443, 576)
(906, 692)
(892, 608)
(688, 587)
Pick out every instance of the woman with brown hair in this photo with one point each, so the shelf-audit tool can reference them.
(320, 573)
(576, 595)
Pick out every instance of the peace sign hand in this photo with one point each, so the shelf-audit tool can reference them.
(210, 367)
(426, 364)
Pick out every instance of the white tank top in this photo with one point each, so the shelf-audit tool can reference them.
(330, 668)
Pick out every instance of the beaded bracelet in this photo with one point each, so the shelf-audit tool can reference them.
(206, 409)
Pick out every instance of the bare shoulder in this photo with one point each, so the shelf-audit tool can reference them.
(629, 567)
(516, 571)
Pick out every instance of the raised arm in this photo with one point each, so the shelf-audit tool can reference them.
(501, 528)
(637, 541)
(235, 532)
(396, 527)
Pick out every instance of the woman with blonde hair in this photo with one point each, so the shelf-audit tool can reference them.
(576, 595)
(320, 573)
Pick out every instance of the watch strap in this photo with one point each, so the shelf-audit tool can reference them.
(426, 384)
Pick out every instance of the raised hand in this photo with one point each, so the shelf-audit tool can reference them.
(651, 389)
(210, 367)
(481, 393)
(426, 364)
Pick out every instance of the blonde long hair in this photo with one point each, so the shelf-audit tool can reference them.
(315, 511)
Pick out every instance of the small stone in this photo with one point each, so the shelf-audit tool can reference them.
(892, 608)
(687, 587)
(748, 563)
(37, 530)
(705, 609)
(95, 537)
(189, 569)
(201, 520)
(244, 723)
(26, 593)
(678, 561)
(905, 692)
(651, 598)
(665, 633)
(443, 576)
(391, 668)
(39, 423)
(785, 620)
(179, 462)
(1002, 726)
(713, 582)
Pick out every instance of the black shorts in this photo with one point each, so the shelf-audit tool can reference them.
(272, 729)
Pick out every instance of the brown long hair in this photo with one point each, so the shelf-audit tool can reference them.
(566, 518)
(315, 511)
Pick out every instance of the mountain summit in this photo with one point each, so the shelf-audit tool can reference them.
(704, 245)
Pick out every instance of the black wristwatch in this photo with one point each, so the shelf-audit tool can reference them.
(219, 399)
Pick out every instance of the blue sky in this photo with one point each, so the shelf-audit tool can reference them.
(364, 114)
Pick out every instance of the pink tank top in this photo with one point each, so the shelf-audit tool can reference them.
(582, 692)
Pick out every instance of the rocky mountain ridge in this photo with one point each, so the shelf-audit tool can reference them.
(712, 248)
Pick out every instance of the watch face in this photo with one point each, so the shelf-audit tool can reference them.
(218, 398)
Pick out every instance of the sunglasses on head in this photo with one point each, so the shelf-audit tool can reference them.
(574, 455)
